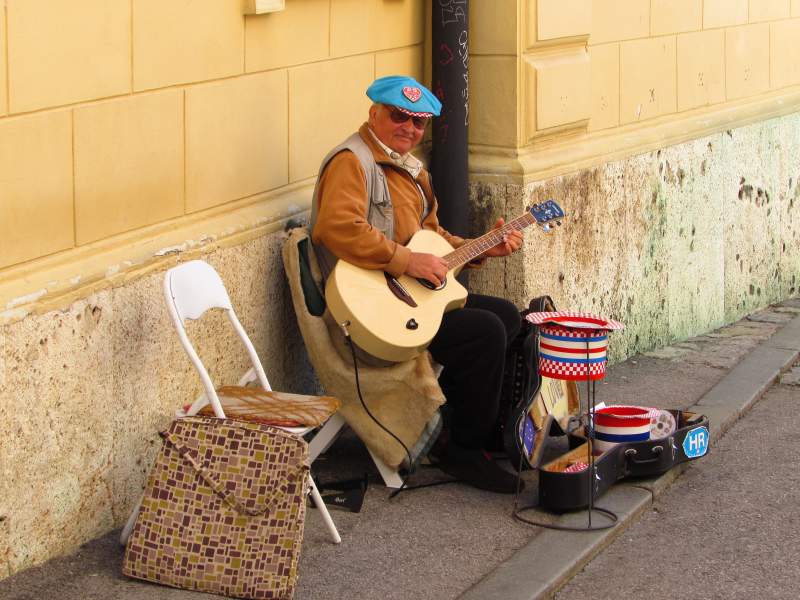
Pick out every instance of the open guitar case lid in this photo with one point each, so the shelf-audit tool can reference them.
(543, 409)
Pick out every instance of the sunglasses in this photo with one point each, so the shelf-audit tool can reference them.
(399, 117)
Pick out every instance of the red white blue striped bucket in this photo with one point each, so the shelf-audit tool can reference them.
(572, 353)
(619, 424)
(573, 345)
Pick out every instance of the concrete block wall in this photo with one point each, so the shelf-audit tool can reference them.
(699, 54)
(588, 66)
(703, 54)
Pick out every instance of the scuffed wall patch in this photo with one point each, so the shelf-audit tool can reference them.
(673, 242)
(86, 390)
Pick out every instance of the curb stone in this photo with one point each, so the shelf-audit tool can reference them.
(559, 555)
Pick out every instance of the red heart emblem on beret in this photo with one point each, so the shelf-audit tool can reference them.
(412, 93)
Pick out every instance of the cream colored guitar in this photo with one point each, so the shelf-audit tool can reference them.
(396, 318)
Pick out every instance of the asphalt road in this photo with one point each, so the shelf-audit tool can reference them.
(729, 526)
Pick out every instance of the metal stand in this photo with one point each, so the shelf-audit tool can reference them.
(590, 409)
(604, 512)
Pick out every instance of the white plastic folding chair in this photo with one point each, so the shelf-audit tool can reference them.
(191, 289)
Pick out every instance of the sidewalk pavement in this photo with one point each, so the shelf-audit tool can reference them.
(453, 541)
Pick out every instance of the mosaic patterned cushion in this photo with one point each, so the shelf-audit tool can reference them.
(274, 408)
(223, 510)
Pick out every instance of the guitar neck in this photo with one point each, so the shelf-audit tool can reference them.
(478, 246)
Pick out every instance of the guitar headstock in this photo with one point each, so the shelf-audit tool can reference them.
(546, 213)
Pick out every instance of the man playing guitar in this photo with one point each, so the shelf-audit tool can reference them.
(371, 196)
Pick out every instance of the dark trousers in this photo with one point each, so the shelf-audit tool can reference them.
(471, 346)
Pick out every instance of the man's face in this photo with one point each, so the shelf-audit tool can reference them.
(401, 137)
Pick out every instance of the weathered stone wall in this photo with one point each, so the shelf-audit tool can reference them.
(84, 391)
(672, 242)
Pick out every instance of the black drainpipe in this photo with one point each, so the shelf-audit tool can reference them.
(449, 28)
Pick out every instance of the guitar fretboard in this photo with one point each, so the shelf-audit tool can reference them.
(478, 246)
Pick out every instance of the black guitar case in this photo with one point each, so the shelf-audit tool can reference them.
(561, 490)
(528, 428)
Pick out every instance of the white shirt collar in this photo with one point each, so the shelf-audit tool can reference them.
(406, 161)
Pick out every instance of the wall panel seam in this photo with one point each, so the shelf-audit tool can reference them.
(74, 179)
(769, 56)
(176, 86)
(619, 84)
(133, 89)
(294, 66)
(288, 128)
(476, 55)
(185, 148)
(725, 64)
(6, 59)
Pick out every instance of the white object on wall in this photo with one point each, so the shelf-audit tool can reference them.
(257, 7)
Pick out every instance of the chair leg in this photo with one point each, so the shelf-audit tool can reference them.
(128, 529)
(328, 434)
(325, 437)
(323, 510)
(390, 476)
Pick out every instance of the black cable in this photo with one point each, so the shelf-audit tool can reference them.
(411, 468)
(419, 486)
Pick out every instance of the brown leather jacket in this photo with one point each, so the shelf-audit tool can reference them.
(342, 225)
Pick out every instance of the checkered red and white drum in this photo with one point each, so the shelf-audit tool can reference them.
(572, 345)
(573, 354)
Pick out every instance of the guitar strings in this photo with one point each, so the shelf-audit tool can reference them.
(486, 241)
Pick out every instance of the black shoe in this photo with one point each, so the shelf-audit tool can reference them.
(475, 468)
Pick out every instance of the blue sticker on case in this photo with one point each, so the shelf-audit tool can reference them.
(695, 444)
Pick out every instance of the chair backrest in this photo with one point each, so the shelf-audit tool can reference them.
(191, 289)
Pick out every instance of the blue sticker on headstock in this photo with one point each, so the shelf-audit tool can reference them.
(546, 211)
(695, 444)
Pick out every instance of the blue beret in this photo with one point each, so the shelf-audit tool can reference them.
(405, 93)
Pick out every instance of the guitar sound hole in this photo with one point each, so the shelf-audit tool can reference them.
(430, 286)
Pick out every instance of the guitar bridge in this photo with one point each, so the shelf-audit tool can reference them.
(400, 292)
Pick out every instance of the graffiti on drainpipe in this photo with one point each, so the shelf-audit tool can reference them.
(450, 37)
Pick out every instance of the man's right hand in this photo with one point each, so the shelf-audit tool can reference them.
(427, 266)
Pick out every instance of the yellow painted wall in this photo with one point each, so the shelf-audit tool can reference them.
(131, 126)
(655, 58)
(123, 123)
(577, 70)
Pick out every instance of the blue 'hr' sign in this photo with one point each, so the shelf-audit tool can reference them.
(695, 444)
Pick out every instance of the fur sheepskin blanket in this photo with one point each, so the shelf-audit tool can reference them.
(404, 397)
